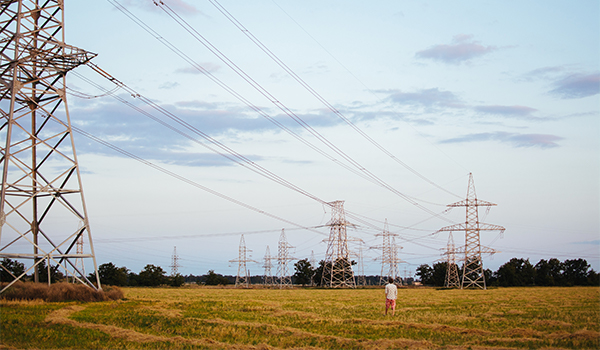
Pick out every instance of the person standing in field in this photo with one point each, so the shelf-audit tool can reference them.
(391, 293)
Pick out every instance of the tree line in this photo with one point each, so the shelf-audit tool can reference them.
(516, 272)
(520, 272)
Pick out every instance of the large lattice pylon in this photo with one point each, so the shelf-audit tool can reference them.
(473, 275)
(389, 256)
(452, 279)
(283, 258)
(175, 263)
(242, 278)
(337, 271)
(41, 182)
(268, 266)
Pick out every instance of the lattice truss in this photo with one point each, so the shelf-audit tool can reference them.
(243, 276)
(389, 256)
(473, 275)
(42, 210)
(283, 258)
(337, 271)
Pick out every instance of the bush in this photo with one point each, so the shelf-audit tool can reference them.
(59, 292)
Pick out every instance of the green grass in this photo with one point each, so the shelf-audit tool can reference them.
(213, 318)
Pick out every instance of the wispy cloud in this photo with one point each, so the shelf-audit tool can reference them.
(507, 111)
(566, 82)
(517, 140)
(208, 67)
(425, 98)
(577, 86)
(462, 49)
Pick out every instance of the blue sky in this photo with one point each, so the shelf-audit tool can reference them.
(506, 90)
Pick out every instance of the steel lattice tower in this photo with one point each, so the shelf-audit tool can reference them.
(452, 279)
(174, 262)
(389, 256)
(41, 182)
(242, 274)
(268, 265)
(337, 271)
(283, 257)
(473, 264)
(361, 279)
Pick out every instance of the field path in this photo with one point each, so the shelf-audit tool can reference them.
(61, 316)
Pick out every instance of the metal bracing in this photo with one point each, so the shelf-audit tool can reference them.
(452, 279)
(473, 275)
(243, 278)
(268, 279)
(283, 257)
(389, 256)
(175, 263)
(337, 271)
(41, 182)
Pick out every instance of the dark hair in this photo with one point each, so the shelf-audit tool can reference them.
(391, 280)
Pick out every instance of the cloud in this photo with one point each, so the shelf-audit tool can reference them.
(517, 140)
(208, 68)
(507, 111)
(462, 49)
(577, 86)
(426, 98)
(144, 137)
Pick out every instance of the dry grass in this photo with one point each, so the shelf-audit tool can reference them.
(59, 292)
(227, 318)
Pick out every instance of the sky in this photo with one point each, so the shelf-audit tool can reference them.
(508, 91)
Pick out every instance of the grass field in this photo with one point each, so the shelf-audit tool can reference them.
(215, 318)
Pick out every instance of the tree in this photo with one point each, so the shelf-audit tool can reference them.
(516, 272)
(152, 276)
(55, 275)
(425, 273)
(438, 275)
(176, 281)
(112, 275)
(548, 273)
(304, 272)
(318, 273)
(575, 272)
(8, 267)
(214, 279)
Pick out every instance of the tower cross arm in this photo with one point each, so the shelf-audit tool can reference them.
(472, 202)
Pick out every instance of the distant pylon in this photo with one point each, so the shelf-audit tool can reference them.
(79, 265)
(268, 265)
(473, 275)
(174, 262)
(452, 279)
(361, 279)
(337, 272)
(313, 265)
(389, 256)
(41, 177)
(242, 279)
(283, 257)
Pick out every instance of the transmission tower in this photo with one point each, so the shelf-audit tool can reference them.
(473, 275)
(268, 277)
(79, 265)
(452, 279)
(174, 263)
(40, 174)
(242, 279)
(389, 256)
(283, 257)
(337, 272)
(313, 264)
(361, 279)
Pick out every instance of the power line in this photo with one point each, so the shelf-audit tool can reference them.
(313, 92)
